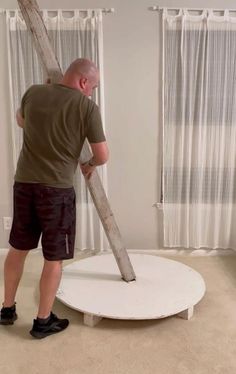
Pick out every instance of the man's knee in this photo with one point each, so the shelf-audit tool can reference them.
(53, 263)
(17, 252)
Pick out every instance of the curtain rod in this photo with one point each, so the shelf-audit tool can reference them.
(104, 10)
(157, 8)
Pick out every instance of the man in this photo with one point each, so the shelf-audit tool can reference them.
(56, 120)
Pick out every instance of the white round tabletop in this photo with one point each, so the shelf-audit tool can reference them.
(163, 287)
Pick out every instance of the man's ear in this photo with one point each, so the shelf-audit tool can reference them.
(83, 82)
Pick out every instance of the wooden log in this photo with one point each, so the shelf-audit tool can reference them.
(33, 19)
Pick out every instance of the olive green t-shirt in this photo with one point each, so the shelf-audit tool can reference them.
(57, 120)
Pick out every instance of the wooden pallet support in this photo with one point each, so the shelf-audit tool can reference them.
(186, 314)
(33, 19)
(91, 320)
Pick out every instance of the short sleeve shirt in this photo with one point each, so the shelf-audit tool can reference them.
(57, 120)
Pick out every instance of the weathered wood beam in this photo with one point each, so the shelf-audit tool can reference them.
(33, 19)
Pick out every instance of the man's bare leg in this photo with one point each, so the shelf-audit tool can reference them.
(49, 283)
(13, 269)
(48, 323)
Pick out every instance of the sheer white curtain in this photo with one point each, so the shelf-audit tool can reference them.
(199, 129)
(73, 34)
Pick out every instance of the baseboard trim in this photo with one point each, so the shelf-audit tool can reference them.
(3, 251)
(161, 252)
(173, 252)
(188, 252)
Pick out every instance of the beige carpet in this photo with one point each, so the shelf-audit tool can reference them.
(205, 344)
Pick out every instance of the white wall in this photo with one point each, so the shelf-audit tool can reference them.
(132, 85)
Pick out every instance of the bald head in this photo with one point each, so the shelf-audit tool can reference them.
(82, 74)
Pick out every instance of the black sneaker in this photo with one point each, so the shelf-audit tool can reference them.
(8, 315)
(53, 326)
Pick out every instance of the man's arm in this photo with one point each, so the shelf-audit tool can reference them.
(19, 119)
(100, 153)
(100, 156)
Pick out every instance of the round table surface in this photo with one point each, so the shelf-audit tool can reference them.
(162, 287)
